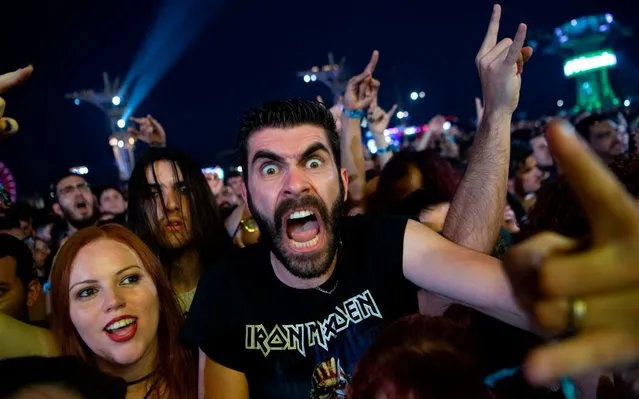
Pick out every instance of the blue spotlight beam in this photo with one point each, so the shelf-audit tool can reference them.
(177, 24)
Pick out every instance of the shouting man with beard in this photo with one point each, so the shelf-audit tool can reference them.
(75, 202)
(291, 316)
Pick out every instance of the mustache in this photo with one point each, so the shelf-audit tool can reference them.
(302, 202)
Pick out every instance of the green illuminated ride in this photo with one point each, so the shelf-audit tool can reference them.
(586, 44)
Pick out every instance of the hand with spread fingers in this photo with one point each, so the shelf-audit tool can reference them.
(378, 119)
(587, 291)
(9, 126)
(500, 66)
(362, 89)
(149, 131)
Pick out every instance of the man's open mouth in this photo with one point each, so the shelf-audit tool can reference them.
(82, 206)
(303, 230)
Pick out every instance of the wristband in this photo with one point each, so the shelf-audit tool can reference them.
(354, 114)
(385, 150)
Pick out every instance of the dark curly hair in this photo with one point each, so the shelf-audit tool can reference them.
(438, 177)
(558, 210)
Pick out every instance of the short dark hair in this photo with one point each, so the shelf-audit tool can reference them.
(18, 250)
(584, 125)
(54, 186)
(231, 174)
(286, 114)
(525, 134)
(519, 152)
(65, 372)
(101, 190)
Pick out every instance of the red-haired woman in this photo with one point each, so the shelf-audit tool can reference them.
(107, 289)
(114, 308)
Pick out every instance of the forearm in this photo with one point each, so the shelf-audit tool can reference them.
(380, 142)
(477, 210)
(352, 157)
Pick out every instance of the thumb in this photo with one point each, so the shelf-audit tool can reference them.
(391, 112)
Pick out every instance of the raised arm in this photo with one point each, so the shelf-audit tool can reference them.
(361, 90)
(464, 276)
(477, 210)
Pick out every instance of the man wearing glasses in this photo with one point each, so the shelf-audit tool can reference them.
(74, 202)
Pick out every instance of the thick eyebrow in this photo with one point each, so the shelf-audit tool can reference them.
(313, 148)
(265, 154)
(96, 281)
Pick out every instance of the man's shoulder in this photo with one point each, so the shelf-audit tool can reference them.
(372, 223)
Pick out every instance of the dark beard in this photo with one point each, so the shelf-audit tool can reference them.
(304, 266)
(80, 223)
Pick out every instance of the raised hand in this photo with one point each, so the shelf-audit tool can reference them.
(378, 119)
(149, 131)
(362, 89)
(590, 290)
(500, 66)
(9, 126)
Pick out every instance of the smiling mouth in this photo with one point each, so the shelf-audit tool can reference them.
(122, 330)
(303, 230)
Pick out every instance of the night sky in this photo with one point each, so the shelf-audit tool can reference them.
(250, 52)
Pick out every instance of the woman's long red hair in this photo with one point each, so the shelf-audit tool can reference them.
(175, 363)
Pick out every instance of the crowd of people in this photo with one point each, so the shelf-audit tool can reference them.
(493, 261)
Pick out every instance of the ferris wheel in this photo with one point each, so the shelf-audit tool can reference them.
(8, 182)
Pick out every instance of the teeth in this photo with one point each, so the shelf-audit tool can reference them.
(307, 244)
(120, 324)
(300, 214)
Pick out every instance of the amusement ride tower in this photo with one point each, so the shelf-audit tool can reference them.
(586, 44)
(333, 75)
(112, 104)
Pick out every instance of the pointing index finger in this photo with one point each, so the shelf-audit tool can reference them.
(11, 79)
(493, 30)
(370, 68)
(605, 201)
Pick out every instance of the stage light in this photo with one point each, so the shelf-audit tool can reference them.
(116, 100)
(307, 78)
(422, 94)
(414, 96)
(313, 78)
(626, 103)
(76, 101)
(121, 123)
(560, 103)
(120, 143)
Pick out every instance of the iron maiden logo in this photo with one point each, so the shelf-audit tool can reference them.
(300, 336)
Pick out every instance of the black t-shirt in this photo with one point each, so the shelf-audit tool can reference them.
(293, 343)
